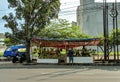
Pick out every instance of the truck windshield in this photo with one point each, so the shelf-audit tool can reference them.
(8, 49)
(22, 49)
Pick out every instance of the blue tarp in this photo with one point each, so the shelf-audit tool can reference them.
(67, 39)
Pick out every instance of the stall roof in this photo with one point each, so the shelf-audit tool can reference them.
(66, 43)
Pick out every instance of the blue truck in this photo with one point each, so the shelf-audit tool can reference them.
(10, 51)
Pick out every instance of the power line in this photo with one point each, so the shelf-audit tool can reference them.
(77, 6)
(91, 9)
(87, 6)
(68, 3)
(84, 8)
(7, 9)
(62, 8)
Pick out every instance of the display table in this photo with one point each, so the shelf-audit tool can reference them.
(81, 60)
(47, 60)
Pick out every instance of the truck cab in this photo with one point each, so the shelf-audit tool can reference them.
(10, 51)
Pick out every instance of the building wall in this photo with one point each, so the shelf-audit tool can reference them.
(2, 44)
(90, 17)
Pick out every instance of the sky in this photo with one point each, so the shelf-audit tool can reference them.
(68, 11)
(3, 10)
(107, 0)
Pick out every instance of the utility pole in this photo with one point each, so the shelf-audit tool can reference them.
(105, 29)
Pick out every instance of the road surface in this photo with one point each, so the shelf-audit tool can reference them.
(59, 73)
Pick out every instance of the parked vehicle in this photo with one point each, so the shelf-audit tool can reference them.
(11, 51)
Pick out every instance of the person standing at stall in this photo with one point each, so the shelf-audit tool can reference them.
(63, 55)
(71, 55)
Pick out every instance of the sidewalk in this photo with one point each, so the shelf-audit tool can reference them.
(5, 63)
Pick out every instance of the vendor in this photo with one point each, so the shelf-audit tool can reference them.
(63, 54)
(85, 52)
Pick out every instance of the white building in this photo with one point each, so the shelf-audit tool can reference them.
(90, 17)
(2, 44)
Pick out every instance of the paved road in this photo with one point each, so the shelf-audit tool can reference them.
(58, 73)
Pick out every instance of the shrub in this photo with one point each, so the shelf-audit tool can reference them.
(1, 54)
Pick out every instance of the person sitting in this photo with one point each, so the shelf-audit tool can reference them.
(23, 58)
(84, 51)
(15, 56)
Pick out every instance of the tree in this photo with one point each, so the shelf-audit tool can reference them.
(61, 28)
(10, 39)
(29, 18)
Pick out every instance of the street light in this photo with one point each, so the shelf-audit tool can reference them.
(117, 30)
(114, 14)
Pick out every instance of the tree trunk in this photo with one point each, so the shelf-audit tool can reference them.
(28, 51)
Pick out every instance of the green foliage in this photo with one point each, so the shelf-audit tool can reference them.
(61, 28)
(11, 39)
(111, 38)
(117, 37)
(29, 18)
(1, 54)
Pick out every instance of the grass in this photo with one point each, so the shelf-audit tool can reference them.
(1, 54)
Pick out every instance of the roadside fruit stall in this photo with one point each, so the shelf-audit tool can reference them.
(50, 50)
